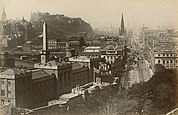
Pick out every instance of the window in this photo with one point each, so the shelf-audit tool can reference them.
(171, 54)
(9, 100)
(163, 54)
(167, 54)
(163, 61)
(158, 54)
(9, 92)
(167, 61)
(9, 82)
(171, 61)
(2, 81)
(176, 61)
(159, 61)
(2, 101)
(2, 92)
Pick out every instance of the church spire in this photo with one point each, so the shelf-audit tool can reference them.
(122, 20)
(122, 28)
(3, 14)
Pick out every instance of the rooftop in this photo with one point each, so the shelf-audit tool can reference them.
(92, 47)
(69, 96)
(16, 71)
(166, 51)
(76, 66)
(51, 64)
(110, 47)
(39, 73)
(11, 72)
(74, 43)
(80, 58)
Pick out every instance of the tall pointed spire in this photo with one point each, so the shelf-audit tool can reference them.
(3, 14)
(122, 20)
(122, 28)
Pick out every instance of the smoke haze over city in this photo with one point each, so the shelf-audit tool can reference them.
(100, 13)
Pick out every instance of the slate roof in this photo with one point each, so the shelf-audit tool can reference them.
(39, 73)
(76, 66)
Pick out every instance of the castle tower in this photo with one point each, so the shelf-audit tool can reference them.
(45, 52)
(122, 30)
(3, 14)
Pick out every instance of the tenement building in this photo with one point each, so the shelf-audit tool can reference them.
(27, 88)
(91, 63)
(92, 51)
(168, 58)
(16, 87)
(110, 54)
(43, 88)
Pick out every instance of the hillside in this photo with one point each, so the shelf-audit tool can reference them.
(59, 25)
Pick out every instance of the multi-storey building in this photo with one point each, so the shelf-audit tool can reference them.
(57, 48)
(92, 51)
(168, 58)
(62, 49)
(80, 75)
(110, 54)
(62, 71)
(91, 63)
(27, 88)
(5, 61)
(43, 88)
(16, 87)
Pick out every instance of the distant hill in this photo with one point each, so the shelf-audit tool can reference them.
(59, 25)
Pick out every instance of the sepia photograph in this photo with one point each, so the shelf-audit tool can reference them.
(88, 57)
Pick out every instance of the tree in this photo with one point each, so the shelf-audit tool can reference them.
(159, 67)
(120, 104)
(118, 68)
(158, 95)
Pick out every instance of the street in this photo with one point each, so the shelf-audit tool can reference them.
(138, 72)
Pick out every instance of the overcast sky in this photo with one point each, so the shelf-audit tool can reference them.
(100, 13)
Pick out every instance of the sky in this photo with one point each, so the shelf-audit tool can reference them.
(101, 13)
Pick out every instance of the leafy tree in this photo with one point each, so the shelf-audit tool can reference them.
(159, 67)
(118, 67)
(157, 96)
